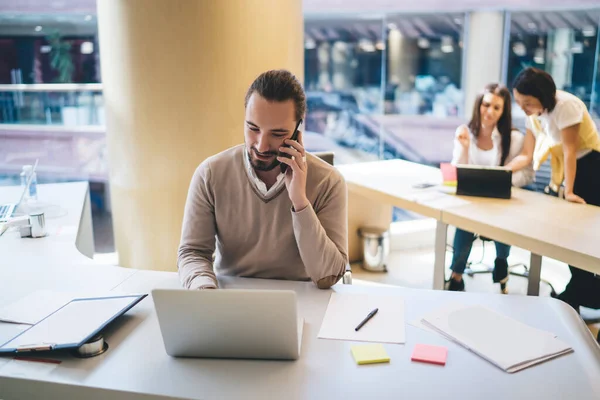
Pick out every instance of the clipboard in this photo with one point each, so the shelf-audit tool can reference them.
(72, 325)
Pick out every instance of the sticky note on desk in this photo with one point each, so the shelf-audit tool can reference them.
(430, 354)
(370, 354)
(448, 174)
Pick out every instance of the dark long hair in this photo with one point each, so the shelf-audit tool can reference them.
(504, 123)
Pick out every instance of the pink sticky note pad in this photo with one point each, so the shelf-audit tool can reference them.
(448, 172)
(430, 354)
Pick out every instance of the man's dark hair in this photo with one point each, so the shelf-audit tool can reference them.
(539, 84)
(279, 85)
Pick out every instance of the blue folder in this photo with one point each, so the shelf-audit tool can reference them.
(72, 325)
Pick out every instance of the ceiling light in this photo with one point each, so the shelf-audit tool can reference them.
(38, 28)
(309, 44)
(538, 56)
(87, 48)
(447, 44)
(423, 43)
(366, 45)
(45, 49)
(577, 48)
(519, 49)
(88, 18)
(588, 31)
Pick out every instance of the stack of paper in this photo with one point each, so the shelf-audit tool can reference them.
(505, 342)
(346, 311)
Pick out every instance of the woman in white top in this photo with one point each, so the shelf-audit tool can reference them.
(488, 140)
(566, 124)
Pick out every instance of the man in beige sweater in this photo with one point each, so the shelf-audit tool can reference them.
(266, 223)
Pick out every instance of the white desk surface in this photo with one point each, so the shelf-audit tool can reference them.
(137, 367)
(543, 224)
(136, 361)
(52, 262)
(393, 182)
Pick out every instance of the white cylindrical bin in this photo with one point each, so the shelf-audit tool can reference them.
(376, 248)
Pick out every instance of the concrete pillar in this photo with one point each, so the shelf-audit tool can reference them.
(559, 58)
(175, 74)
(484, 51)
(340, 65)
(323, 57)
(402, 60)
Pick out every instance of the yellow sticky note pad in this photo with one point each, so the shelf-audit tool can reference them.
(370, 354)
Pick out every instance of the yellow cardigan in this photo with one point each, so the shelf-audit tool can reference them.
(544, 147)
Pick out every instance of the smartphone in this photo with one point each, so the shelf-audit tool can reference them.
(294, 137)
(423, 185)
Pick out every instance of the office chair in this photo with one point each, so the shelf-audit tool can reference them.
(489, 269)
(328, 156)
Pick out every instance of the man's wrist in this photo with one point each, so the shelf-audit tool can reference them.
(301, 205)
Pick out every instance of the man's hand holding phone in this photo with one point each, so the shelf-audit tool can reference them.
(295, 170)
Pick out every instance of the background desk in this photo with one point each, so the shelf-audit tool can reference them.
(542, 224)
(375, 187)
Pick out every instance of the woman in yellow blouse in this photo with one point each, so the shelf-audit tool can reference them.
(559, 124)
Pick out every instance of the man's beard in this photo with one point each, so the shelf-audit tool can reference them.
(262, 165)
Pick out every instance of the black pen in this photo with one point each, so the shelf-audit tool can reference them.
(364, 321)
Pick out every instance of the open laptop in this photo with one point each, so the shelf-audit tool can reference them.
(7, 210)
(231, 323)
(481, 181)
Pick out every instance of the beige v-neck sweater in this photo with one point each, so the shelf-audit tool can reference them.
(262, 237)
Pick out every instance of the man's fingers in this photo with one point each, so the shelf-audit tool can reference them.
(290, 151)
(295, 145)
(289, 162)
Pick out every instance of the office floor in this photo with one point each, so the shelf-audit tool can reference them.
(409, 268)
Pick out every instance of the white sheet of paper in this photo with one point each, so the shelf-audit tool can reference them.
(33, 308)
(418, 323)
(436, 198)
(72, 323)
(345, 311)
(503, 341)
